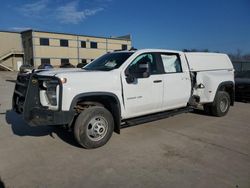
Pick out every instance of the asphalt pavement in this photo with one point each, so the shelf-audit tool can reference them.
(188, 150)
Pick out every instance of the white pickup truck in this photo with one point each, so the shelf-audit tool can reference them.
(125, 88)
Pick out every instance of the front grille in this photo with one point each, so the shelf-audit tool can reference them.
(20, 92)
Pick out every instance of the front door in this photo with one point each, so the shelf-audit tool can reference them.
(144, 95)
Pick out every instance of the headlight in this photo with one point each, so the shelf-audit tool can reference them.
(51, 94)
(51, 91)
(48, 83)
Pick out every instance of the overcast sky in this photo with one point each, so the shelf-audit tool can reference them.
(217, 25)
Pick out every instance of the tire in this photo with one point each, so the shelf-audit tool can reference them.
(221, 104)
(94, 127)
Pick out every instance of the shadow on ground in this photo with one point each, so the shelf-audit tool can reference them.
(1, 184)
(13, 81)
(242, 100)
(21, 128)
(200, 112)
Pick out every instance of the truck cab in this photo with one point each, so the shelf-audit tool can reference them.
(165, 83)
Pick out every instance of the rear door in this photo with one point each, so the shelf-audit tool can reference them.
(177, 84)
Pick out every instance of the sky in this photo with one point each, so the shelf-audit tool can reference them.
(216, 25)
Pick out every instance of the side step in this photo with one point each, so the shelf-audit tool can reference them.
(154, 117)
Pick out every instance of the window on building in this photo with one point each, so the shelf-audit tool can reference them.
(45, 64)
(124, 46)
(64, 42)
(64, 61)
(82, 64)
(171, 63)
(45, 61)
(93, 44)
(83, 44)
(44, 41)
(66, 64)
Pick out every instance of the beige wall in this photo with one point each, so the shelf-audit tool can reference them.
(12, 62)
(55, 52)
(11, 44)
(9, 41)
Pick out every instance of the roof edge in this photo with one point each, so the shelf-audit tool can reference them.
(125, 37)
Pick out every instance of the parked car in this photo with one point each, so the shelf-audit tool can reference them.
(80, 65)
(125, 88)
(242, 86)
(45, 66)
(67, 65)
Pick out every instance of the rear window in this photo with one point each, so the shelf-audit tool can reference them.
(171, 63)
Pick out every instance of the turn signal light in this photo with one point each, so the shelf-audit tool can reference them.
(63, 80)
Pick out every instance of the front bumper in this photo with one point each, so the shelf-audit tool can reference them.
(26, 101)
(41, 117)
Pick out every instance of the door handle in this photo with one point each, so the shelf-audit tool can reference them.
(157, 81)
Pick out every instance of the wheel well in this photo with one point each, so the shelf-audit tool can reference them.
(109, 102)
(229, 88)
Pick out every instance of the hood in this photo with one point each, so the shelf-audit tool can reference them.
(78, 76)
(84, 81)
(54, 72)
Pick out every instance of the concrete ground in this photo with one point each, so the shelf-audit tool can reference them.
(188, 150)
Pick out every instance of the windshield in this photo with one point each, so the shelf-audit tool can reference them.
(109, 61)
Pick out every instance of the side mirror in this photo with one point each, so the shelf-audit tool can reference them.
(140, 70)
(130, 79)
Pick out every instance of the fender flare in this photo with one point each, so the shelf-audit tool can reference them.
(116, 114)
(232, 94)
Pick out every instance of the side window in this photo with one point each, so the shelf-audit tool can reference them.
(145, 58)
(171, 63)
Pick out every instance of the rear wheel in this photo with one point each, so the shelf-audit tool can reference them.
(221, 104)
(94, 127)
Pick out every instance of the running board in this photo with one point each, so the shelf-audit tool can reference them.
(154, 117)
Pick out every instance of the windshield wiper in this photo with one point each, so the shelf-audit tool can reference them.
(98, 69)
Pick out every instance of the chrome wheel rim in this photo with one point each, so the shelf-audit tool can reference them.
(224, 105)
(97, 128)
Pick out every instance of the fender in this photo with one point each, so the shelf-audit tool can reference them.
(231, 93)
(115, 112)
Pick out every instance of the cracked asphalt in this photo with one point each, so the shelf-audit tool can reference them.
(188, 150)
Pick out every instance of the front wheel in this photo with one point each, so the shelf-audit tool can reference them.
(221, 104)
(94, 127)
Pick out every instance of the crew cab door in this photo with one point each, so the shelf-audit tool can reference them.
(177, 83)
(142, 94)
